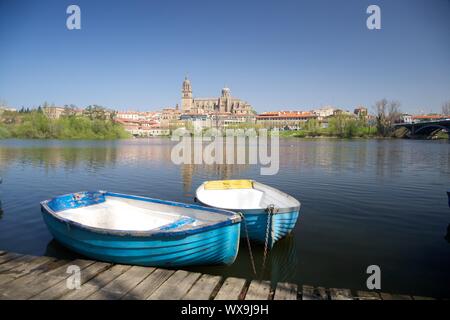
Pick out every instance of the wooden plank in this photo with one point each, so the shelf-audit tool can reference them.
(176, 286)
(20, 269)
(389, 296)
(367, 295)
(13, 260)
(120, 286)
(9, 256)
(232, 289)
(204, 288)
(311, 293)
(96, 283)
(258, 290)
(25, 273)
(61, 288)
(286, 291)
(149, 285)
(33, 283)
(422, 298)
(340, 294)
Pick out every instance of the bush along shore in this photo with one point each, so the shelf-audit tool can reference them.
(340, 127)
(34, 124)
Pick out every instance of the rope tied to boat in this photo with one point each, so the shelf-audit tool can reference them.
(252, 259)
(270, 210)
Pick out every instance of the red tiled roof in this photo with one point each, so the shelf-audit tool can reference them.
(286, 114)
(431, 116)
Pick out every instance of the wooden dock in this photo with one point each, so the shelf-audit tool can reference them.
(26, 277)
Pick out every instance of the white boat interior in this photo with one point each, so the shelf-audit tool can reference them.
(118, 213)
(260, 196)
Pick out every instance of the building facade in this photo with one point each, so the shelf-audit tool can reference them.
(53, 112)
(361, 112)
(324, 112)
(284, 119)
(223, 104)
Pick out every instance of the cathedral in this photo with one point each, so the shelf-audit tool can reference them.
(224, 104)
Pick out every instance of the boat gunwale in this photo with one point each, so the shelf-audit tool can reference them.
(233, 218)
(279, 210)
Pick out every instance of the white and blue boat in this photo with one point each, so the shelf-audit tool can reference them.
(269, 214)
(138, 230)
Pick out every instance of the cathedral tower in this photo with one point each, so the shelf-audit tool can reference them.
(186, 96)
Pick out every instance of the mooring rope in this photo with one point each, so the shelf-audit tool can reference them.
(270, 209)
(252, 259)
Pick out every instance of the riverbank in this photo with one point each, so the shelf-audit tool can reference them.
(317, 135)
(36, 125)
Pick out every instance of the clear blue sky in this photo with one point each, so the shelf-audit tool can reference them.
(274, 54)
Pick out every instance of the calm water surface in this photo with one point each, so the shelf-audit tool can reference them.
(364, 202)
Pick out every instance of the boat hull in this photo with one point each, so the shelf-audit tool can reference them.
(280, 225)
(254, 201)
(213, 245)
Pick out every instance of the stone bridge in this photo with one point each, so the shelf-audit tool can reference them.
(425, 129)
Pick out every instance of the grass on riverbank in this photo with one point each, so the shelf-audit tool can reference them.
(35, 125)
(360, 133)
(340, 127)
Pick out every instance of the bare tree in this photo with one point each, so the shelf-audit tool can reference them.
(446, 108)
(388, 113)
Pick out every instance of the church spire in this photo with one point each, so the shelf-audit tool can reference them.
(186, 95)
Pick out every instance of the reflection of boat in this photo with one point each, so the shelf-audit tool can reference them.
(57, 250)
(269, 213)
(283, 263)
(447, 236)
(138, 230)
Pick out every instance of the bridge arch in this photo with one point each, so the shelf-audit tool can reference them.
(429, 129)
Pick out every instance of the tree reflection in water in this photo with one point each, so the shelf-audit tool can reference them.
(447, 236)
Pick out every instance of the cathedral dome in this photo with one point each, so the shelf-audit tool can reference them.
(225, 92)
(187, 88)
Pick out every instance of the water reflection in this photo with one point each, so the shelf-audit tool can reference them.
(363, 201)
(284, 261)
(1, 209)
(332, 156)
(212, 171)
(55, 249)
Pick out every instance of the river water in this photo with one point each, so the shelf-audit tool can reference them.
(364, 202)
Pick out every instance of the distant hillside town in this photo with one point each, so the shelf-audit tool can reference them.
(224, 111)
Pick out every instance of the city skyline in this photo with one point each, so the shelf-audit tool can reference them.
(298, 55)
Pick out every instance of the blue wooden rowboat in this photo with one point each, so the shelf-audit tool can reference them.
(142, 231)
(270, 214)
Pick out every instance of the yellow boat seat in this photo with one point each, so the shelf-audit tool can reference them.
(228, 184)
